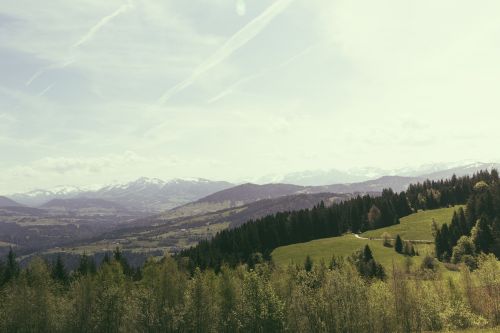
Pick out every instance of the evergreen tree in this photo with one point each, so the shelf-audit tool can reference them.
(308, 264)
(398, 245)
(59, 271)
(86, 265)
(12, 267)
(120, 258)
(482, 237)
(367, 253)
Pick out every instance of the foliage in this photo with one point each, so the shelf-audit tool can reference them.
(344, 297)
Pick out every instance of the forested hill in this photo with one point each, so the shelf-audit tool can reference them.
(247, 243)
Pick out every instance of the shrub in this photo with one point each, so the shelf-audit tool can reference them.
(428, 263)
(387, 239)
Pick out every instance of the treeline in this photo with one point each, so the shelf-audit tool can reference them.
(475, 230)
(255, 239)
(318, 297)
(448, 192)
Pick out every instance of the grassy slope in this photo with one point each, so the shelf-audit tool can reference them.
(323, 249)
(415, 226)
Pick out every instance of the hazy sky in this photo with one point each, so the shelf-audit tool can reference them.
(96, 91)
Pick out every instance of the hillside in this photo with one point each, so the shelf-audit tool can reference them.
(84, 206)
(415, 226)
(6, 202)
(252, 192)
(173, 234)
(396, 183)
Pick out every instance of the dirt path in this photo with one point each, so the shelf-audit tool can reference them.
(423, 241)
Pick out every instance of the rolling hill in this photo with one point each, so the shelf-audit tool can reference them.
(415, 226)
(6, 202)
(170, 233)
(84, 206)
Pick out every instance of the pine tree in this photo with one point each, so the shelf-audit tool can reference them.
(367, 254)
(308, 264)
(482, 237)
(12, 267)
(86, 265)
(59, 271)
(398, 245)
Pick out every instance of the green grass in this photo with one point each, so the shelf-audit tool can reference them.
(324, 249)
(416, 226)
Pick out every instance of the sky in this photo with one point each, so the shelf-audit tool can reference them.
(94, 92)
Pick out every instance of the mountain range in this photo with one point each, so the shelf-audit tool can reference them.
(143, 194)
(356, 175)
(152, 195)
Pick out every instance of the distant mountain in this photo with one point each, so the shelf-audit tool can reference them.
(463, 170)
(357, 175)
(396, 183)
(144, 194)
(84, 206)
(40, 196)
(155, 195)
(6, 202)
(248, 192)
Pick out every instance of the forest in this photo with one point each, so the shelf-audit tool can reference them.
(231, 284)
(260, 237)
(314, 297)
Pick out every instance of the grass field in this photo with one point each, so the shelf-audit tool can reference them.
(324, 249)
(416, 226)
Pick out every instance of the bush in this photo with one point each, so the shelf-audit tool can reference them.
(428, 263)
(387, 239)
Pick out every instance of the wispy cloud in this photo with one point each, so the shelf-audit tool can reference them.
(239, 39)
(264, 72)
(84, 39)
(102, 22)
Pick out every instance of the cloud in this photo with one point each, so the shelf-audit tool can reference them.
(45, 69)
(84, 39)
(232, 88)
(241, 7)
(239, 39)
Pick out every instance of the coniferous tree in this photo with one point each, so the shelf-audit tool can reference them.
(11, 268)
(86, 265)
(482, 237)
(308, 264)
(59, 272)
(367, 253)
(398, 244)
(120, 258)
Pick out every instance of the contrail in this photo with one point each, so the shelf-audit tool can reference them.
(263, 72)
(105, 20)
(239, 39)
(43, 70)
(84, 39)
(46, 90)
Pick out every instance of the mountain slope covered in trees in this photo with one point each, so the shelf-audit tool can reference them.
(358, 214)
